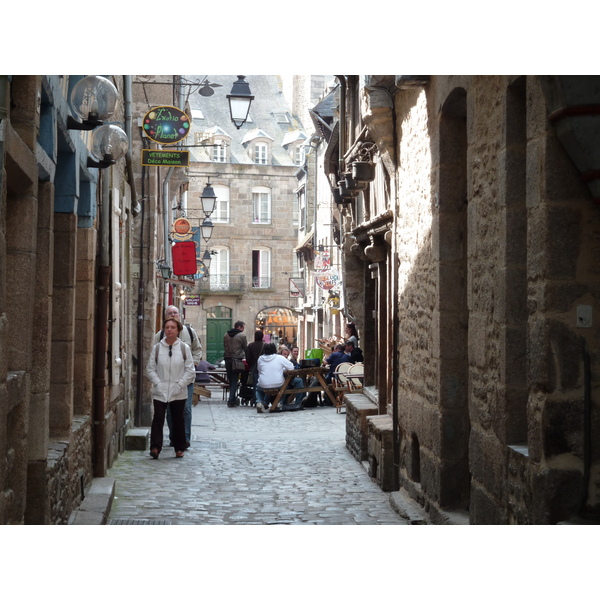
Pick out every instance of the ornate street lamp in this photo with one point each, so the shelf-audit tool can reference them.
(206, 259)
(209, 199)
(207, 229)
(240, 99)
(164, 268)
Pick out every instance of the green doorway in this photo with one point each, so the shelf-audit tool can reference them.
(218, 323)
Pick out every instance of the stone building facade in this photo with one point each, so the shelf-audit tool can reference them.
(472, 259)
(64, 295)
(253, 173)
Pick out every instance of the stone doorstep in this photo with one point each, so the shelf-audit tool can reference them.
(408, 508)
(137, 439)
(95, 508)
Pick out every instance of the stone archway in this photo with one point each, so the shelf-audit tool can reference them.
(279, 324)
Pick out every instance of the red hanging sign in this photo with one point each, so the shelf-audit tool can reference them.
(184, 258)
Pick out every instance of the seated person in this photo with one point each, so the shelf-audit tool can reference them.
(356, 355)
(295, 357)
(201, 375)
(297, 382)
(271, 368)
(337, 357)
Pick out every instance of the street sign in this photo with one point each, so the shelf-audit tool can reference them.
(164, 158)
(296, 287)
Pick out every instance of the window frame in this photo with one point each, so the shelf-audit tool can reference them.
(261, 263)
(260, 216)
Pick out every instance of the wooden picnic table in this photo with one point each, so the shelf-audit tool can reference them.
(305, 374)
(218, 378)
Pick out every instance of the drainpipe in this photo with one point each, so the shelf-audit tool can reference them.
(102, 309)
(587, 427)
(341, 168)
(127, 93)
(166, 224)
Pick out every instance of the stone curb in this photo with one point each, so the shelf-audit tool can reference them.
(408, 509)
(95, 508)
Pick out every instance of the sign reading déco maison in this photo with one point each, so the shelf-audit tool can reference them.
(166, 124)
(174, 158)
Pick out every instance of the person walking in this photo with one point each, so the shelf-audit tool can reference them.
(235, 345)
(170, 369)
(253, 351)
(191, 338)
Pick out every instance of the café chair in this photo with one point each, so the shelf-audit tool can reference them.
(340, 384)
(355, 377)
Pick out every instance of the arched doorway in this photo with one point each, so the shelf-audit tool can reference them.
(279, 324)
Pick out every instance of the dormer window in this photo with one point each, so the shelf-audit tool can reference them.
(258, 145)
(261, 153)
(219, 151)
(294, 143)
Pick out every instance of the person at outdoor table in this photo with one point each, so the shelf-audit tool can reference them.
(297, 382)
(295, 357)
(337, 357)
(202, 369)
(171, 369)
(352, 334)
(271, 369)
(355, 354)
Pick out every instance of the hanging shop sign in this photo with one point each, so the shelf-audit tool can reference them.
(322, 260)
(182, 230)
(327, 280)
(296, 287)
(164, 158)
(201, 270)
(184, 258)
(166, 124)
(193, 300)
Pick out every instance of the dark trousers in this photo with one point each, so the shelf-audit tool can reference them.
(158, 424)
(233, 377)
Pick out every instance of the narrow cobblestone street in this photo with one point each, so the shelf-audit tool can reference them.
(249, 468)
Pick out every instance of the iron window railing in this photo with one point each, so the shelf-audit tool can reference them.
(261, 282)
(223, 283)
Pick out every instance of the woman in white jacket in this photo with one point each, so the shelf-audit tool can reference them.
(171, 369)
(271, 368)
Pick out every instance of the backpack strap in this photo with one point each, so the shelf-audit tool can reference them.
(157, 347)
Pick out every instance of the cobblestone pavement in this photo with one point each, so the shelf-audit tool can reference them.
(250, 468)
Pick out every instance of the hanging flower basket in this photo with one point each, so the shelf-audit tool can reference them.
(363, 171)
(346, 193)
(353, 185)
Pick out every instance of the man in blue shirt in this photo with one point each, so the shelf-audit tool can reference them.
(337, 357)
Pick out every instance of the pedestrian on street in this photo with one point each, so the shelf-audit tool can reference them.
(253, 351)
(235, 345)
(171, 369)
(191, 338)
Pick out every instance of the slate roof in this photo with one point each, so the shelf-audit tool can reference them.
(268, 102)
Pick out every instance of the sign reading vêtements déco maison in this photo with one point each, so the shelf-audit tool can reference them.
(166, 124)
(165, 158)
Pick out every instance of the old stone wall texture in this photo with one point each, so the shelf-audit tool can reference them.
(528, 243)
